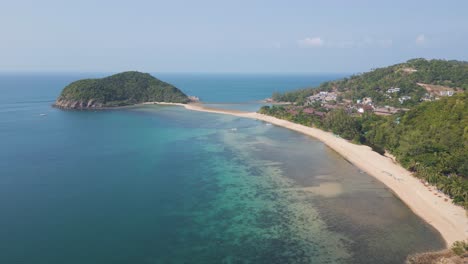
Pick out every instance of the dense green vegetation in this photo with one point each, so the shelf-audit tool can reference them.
(375, 83)
(431, 139)
(122, 89)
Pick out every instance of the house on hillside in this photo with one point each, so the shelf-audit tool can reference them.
(393, 90)
(427, 97)
(446, 93)
(404, 98)
(367, 100)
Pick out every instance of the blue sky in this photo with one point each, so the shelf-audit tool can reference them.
(227, 36)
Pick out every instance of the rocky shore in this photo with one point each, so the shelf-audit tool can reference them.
(77, 105)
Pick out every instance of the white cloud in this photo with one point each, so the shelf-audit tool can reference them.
(420, 39)
(311, 42)
(364, 42)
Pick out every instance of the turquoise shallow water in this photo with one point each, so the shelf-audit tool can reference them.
(160, 184)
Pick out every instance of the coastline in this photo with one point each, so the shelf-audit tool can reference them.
(435, 208)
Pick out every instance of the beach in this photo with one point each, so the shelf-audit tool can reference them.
(434, 207)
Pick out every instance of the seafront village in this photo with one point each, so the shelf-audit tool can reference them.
(323, 101)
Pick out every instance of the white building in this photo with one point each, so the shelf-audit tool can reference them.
(393, 90)
(404, 98)
(446, 93)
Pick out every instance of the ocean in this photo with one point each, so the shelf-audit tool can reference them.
(161, 184)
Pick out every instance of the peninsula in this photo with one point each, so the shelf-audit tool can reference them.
(126, 88)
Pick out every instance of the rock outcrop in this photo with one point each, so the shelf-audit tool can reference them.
(78, 105)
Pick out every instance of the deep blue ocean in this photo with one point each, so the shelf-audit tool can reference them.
(161, 184)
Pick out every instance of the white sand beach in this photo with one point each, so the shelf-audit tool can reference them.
(434, 207)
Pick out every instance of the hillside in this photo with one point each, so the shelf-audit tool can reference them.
(405, 84)
(121, 89)
(431, 140)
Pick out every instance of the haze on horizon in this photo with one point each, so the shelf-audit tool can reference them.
(227, 36)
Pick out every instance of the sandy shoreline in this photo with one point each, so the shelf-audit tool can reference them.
(450, 220)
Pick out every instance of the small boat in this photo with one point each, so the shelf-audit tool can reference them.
(42, 114)
(233, 129)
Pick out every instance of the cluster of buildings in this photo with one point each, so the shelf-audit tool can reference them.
(366, 105)
(430, 96)
(395, 90)
(328, 100)
(383, 110)
(322, 97)
(433, 96)
(361, 106)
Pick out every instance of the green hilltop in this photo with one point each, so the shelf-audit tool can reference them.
(126, 88)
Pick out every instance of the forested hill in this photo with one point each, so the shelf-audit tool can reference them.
(417, 78)
(121, 89)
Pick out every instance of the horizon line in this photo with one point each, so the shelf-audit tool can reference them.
(173, 72)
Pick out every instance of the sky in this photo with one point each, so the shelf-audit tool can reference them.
(227, 36)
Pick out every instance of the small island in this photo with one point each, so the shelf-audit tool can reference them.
(122, 89)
